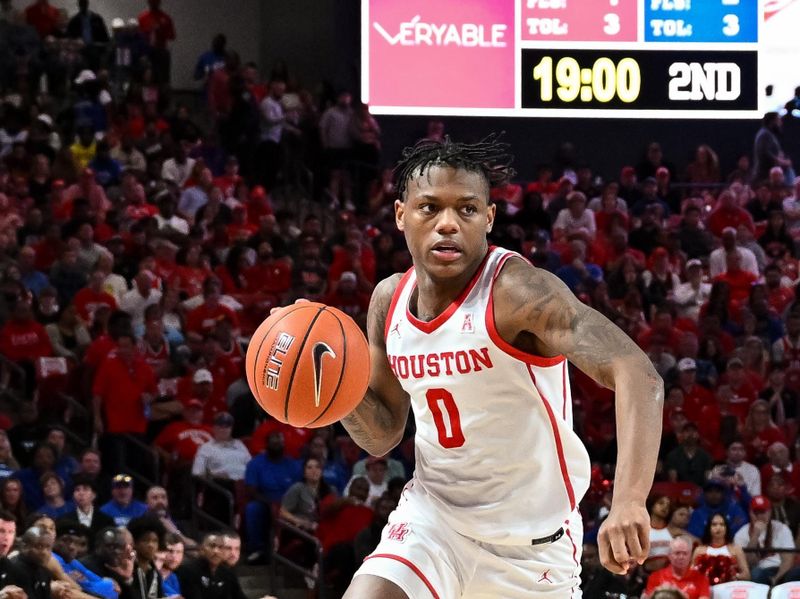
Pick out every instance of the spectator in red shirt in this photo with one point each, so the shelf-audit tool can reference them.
(728, 214)
(696, 397)
(192, 270)
(229, 346)
(678, 575)
(779, 297)
(269, 275)
(240, 228)
(154, 345)
(346, 296)
(739, 281)
(91, 297)
(42, 17)
(295, 439)
(744, 394)
(179, 441)
(221, 367)
(165, 267)
(780, 463)
(158, 29)
(258, 205)
(228, 181)
(197, 385)
(341, 519)
(544, 184)
(201, 320)
(124, 388)
(22, 339)
(760, 432)
(662, 326)
(356, 256)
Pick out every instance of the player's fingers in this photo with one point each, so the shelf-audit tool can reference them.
(301, 300)
(607, 556)
(644, 541)
(633, 543)
(619, 548)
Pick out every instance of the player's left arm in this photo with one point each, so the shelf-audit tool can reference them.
(535, 306)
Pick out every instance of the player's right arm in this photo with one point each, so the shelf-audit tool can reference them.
(377, 424)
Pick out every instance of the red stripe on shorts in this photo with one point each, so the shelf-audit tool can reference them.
(411, 565)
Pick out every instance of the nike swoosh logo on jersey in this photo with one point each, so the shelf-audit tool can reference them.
(320, 349)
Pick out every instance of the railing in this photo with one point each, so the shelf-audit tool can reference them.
(199, 514)
(137, 473)
(319, 576)
(15, 394)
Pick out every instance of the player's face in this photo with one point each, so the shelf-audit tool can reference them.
(445, 218)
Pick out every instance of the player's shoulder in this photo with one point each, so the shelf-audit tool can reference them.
(384, 291)
(519, 278)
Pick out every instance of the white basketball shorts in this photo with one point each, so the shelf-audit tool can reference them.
(429, 560)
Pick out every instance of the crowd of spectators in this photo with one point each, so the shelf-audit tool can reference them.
(142, 241)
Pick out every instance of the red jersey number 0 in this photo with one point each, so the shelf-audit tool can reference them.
(446, 417)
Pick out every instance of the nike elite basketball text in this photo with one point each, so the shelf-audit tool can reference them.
(308, 365)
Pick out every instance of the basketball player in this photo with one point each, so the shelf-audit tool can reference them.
(476, 340)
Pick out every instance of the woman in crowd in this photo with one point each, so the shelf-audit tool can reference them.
(69, 335)
(679, 520)
(300, 508)
(704, 169)
(8, 464)
(718, 557)
(776, 241)
(660, 509)
(13, 501)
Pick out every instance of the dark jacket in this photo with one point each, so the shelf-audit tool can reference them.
(197, 581)
(99, 32)
(35, 580)
(11, 574)
(99, 522)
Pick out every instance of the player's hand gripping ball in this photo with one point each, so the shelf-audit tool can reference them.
(308, 365)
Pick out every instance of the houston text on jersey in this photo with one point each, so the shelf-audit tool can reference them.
(440, 364)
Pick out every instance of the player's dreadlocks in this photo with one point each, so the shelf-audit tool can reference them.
(490, 157)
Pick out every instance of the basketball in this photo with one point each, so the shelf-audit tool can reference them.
(308, 365)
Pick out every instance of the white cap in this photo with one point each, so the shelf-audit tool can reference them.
(693, 262)
(46, 119)
(687, 364)
(348, 276)
(117, 23)
(84, 76)
(203, 375)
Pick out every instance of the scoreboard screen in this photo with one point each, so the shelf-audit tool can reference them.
(588, 58)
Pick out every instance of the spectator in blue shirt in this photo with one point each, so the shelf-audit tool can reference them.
(69, 537)
(579, 275)
(716, 499)
(267, 478)
(212, 59)
(167, 562)
(107, 171)
(123, 507)
(34, 280)
(44, 460)
(55, 505)
(333, 472)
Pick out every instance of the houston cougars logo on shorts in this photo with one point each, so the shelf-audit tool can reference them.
(398, 532)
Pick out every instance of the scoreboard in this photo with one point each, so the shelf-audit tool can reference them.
(588, 58)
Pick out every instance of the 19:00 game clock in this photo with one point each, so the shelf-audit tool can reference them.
(605, 58)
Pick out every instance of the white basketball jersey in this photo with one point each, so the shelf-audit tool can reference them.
(495, 449)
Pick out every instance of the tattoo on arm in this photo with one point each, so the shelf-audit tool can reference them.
(373, 421)
(559, 320)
